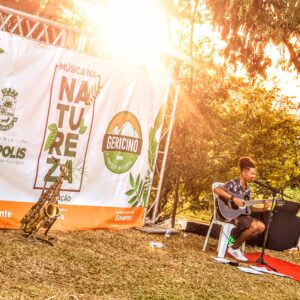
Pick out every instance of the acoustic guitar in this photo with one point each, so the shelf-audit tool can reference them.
(229, 210)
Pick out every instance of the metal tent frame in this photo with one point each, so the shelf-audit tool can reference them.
(52, 33)
(165, 139)
(45, 31)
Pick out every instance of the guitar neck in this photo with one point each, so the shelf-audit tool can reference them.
(252, 202)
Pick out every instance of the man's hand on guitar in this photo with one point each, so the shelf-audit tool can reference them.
(239, 202)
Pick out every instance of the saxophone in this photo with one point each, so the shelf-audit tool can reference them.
(46, 211)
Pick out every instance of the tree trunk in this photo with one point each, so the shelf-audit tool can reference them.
(191, 82)
(294, 56)
(176, 200)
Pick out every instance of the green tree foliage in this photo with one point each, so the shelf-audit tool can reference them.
(220, 118)
(229, 118)
(248, 26)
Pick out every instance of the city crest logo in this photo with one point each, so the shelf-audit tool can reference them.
(122, 142)
(8, 103)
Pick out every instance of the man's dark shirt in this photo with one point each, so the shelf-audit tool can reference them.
(234, 186)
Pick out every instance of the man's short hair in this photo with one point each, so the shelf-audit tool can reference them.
(246, 163)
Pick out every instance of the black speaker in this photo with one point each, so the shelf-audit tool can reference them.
(284, 229)
(288, 207)
(201, 229)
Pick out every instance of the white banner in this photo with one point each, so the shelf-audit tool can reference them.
(102, 118)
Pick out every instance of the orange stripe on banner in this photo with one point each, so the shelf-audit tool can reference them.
(76, 216)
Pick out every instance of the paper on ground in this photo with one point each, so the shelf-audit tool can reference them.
(221, 260)
(265, 270)
(249, 270)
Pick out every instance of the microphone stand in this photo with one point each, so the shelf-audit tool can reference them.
(274, 191)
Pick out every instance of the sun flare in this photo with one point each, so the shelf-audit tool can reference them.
(136, 30)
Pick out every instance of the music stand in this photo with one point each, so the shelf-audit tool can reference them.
(274, 191)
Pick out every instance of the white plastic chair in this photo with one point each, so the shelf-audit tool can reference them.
(225, 227)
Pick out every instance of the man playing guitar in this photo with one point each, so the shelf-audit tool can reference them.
(248, 225)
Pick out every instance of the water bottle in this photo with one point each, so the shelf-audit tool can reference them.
(156, 244)
(231, 240)
(168, 233)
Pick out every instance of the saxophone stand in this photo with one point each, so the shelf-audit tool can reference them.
(274, 191)
(47, 239)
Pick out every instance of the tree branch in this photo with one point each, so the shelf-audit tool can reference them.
(294, 56)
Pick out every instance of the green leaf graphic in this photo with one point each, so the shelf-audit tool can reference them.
(50, 140)
(159, 118)
(52, 127)
(131, 181)
(140, 189)
(137, 191)
(137, 182)
(130, 192)
(151, 155)
(135, 204)
(132, 199)
(146, 187)
(70, 171)
(152, 148)
(83, 128)
(1, 50)
(51, 137)
(145, 194)
(93, 92)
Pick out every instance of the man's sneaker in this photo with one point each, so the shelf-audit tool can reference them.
(237, 254)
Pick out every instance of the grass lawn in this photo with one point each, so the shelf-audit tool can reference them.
(105, 264)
